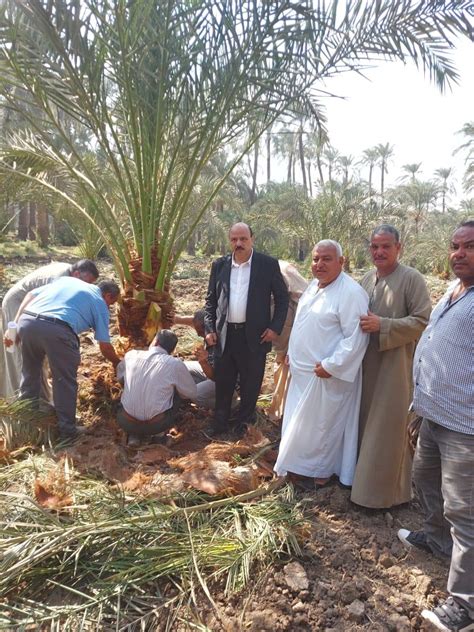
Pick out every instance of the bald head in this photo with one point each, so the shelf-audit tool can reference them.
(241, 242)
(241, 226)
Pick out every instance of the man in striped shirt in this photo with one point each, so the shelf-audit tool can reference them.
(443, 371)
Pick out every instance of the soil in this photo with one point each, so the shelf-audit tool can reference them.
(353, 573)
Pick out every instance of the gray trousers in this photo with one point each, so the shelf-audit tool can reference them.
(443, 470)
(40, 339)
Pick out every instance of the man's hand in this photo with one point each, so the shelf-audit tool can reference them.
(320, 371)
(370, 323)
(211, 339)
(7, 342)
(268, 336)
(201, 354)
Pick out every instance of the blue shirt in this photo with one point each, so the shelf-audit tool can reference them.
(443, 366)
(77, 303)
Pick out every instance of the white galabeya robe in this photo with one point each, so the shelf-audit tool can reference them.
(320, 422)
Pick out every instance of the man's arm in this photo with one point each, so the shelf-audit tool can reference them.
(183, 320)
(185, 385)
(202, 356)
(210, 308)
(108, 351)
(345, 360)
(281, 300)
(396, 332)
(25, 302)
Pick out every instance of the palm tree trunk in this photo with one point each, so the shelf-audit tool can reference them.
(310, 184)
(43, 225)
(382, 182)
(269, 148)
(302, 160)
(290, 167)
(23, 217)
(32, 222)
(371, 168)
(320, 169)
(253, 192)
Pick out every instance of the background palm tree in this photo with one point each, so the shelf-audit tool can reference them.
(443, 174)
(468, 148)
(369, 158)
(412, 169)
(384, 152)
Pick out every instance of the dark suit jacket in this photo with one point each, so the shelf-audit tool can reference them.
(265, 280)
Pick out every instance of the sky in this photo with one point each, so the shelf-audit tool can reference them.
(399, 105)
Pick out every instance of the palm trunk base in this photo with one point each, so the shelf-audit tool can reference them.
(144, 310)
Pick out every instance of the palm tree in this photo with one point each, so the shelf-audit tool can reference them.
(385, 152)
(412, 169)
(284, 143)
(468, 147)
(370, 157)
(162, 85)
(344, 163)
(330, 156)
(443, 174)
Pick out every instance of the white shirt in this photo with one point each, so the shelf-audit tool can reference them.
(150, 378)
(239, 289)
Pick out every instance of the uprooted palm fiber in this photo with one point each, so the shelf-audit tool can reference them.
(137, 297)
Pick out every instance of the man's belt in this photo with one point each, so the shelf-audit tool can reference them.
(50, 319)
(236, 325)
(134, 420)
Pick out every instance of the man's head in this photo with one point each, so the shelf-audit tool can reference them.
(198, 322)
(461, 255)
(385, 248)
(166, 339)
(110, 292)
(241, 241)
(86, 270)
(327, 261)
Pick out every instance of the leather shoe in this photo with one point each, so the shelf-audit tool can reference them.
(215, 430)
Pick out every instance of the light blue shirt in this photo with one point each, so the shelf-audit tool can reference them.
(77, 303)
(443, 366)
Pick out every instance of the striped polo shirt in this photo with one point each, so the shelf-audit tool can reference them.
(443, 366)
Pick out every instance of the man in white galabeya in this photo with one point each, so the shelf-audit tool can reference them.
(320, 421)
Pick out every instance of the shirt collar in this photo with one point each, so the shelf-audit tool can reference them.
(237, 265)
(153, 349)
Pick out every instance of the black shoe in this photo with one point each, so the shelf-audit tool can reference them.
(414, 540)
(133, 441)
(215, 430)
(72, 435)
(449, 615)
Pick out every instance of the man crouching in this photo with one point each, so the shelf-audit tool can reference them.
(153, 381)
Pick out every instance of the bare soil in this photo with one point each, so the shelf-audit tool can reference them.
(353, 573)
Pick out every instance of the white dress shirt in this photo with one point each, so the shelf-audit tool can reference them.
(150, 378)
(239, 289)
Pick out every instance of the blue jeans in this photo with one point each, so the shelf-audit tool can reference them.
(443, 470)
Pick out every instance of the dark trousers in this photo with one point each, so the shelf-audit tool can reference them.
(443, 472)
(40, 338)
(238, 360)
(160, 423)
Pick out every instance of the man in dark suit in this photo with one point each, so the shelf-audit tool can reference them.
(239, 323)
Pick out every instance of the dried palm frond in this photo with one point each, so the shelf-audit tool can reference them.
(109, 561)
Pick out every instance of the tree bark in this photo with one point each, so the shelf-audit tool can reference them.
(269, 148)
(23, 217)
(253, 193)
(32, 222)
(302, 161)
(42, 219)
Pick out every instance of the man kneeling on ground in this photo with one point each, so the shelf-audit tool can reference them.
(153, 382)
